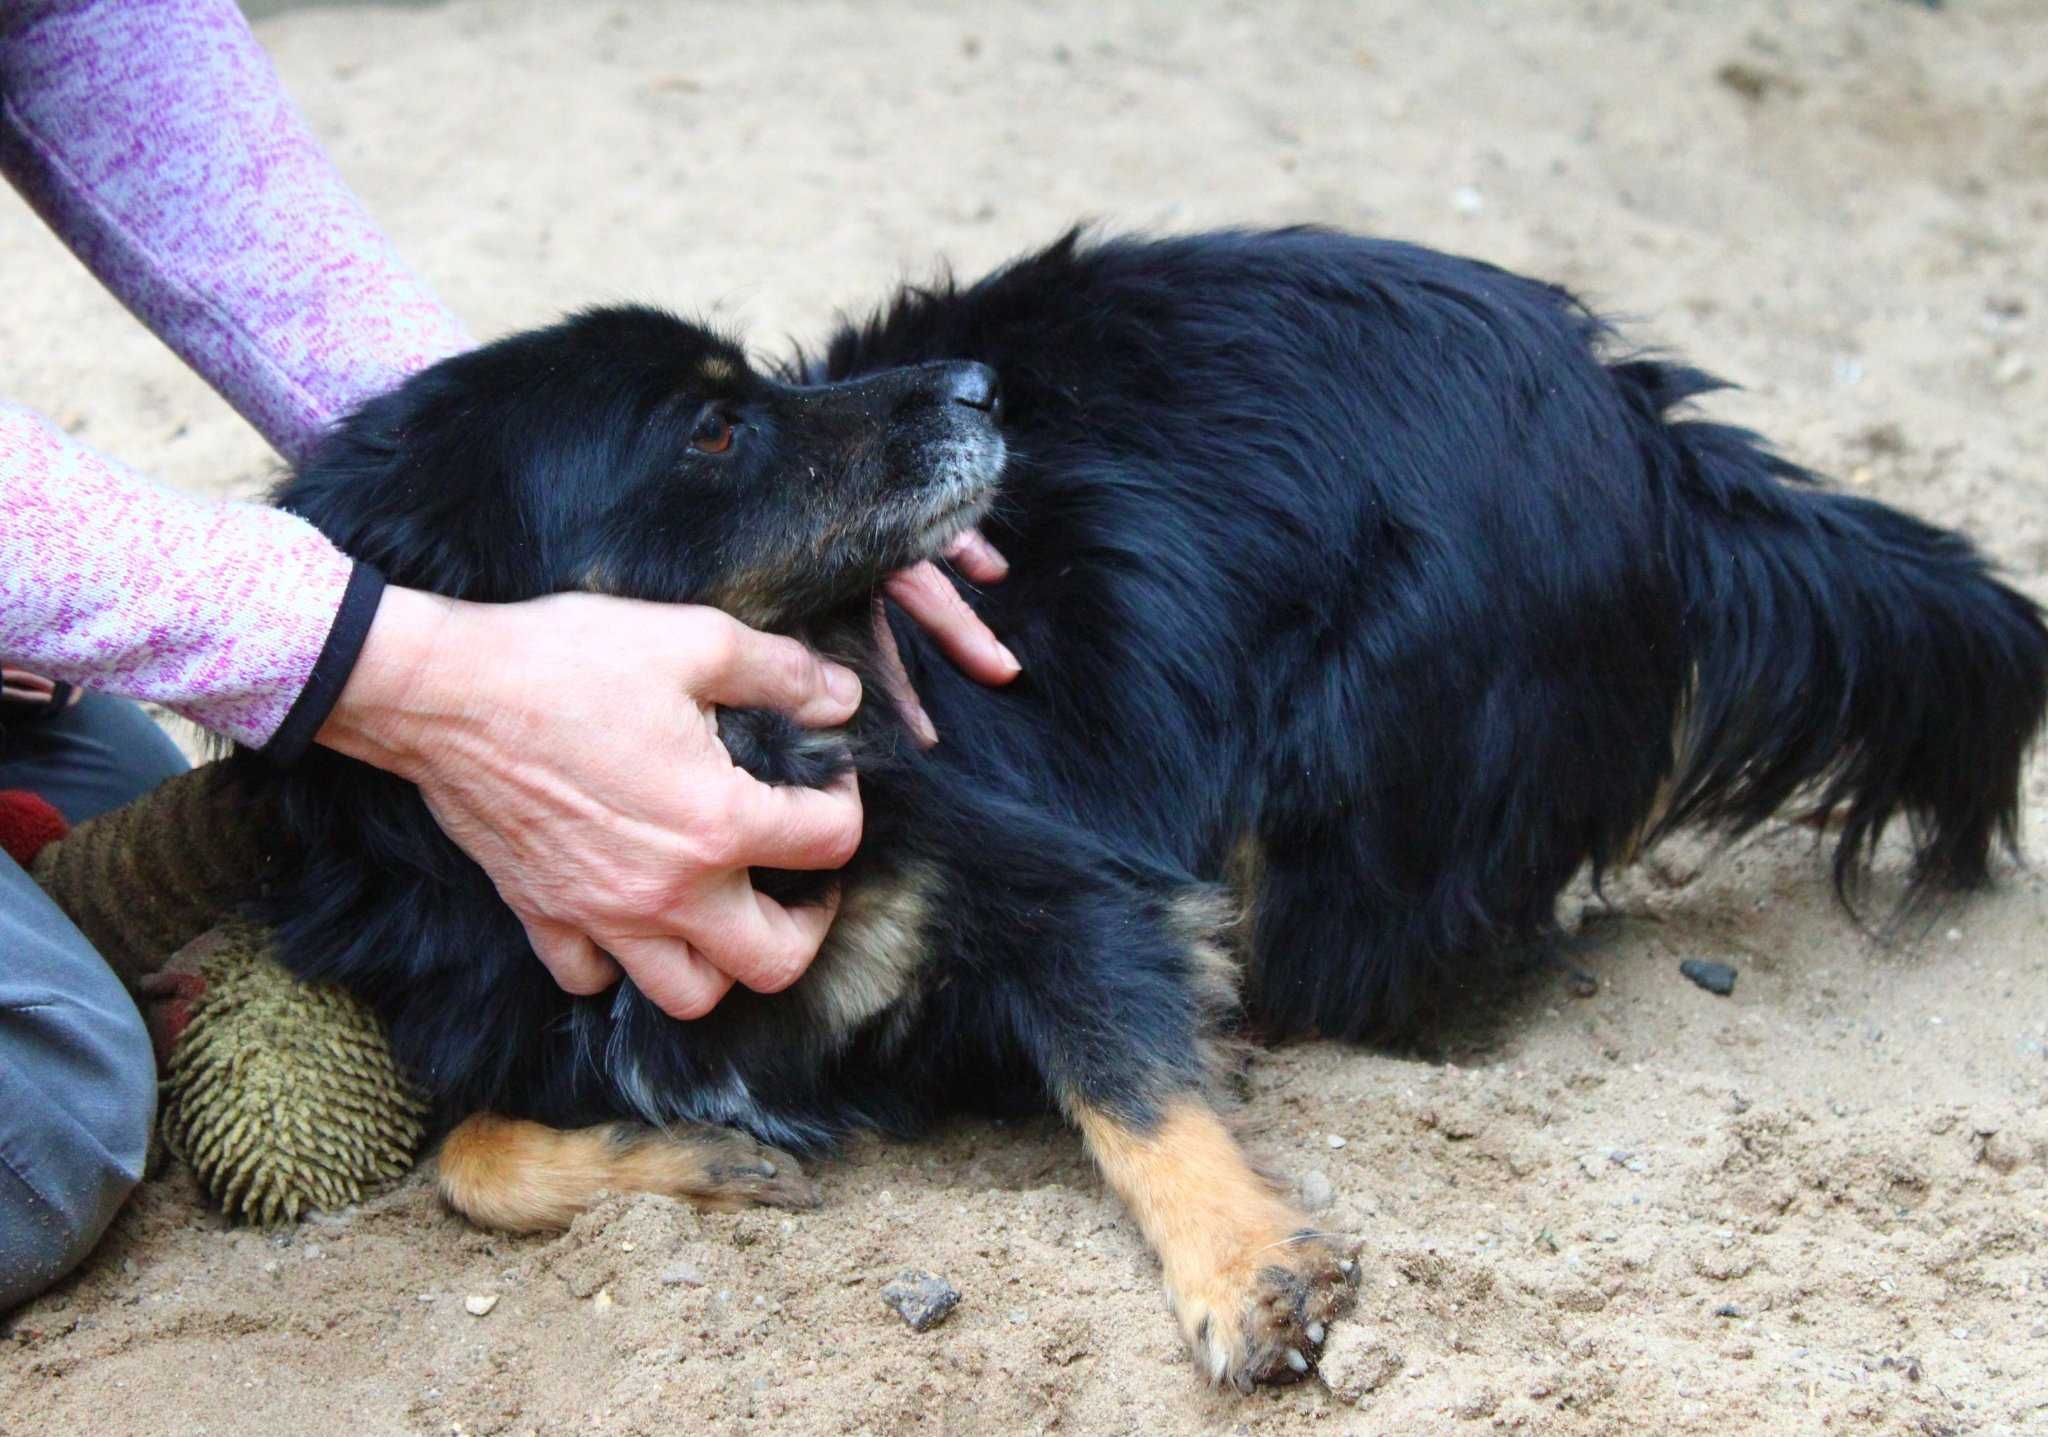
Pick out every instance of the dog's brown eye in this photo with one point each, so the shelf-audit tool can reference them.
(713, 434)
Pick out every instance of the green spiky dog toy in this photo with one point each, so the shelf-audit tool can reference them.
(281, 1096)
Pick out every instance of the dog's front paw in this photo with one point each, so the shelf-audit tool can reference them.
(1262, 1316)
(738, 1171)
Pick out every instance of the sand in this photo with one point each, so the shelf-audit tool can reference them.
(1817, 1205)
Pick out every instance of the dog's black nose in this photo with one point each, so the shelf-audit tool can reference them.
(976, 386)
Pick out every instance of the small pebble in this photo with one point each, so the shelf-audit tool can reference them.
(1335, 1141)
(603, 1301)
(1714, 977)
(921, 1299)
(479, 1303)
(1727, 1309)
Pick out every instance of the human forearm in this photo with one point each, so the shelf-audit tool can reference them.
(220, 611)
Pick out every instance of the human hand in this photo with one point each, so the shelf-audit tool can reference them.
(36, 693)
(570, 746)
(934, 603)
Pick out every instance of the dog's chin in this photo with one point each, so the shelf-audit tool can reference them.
(946, 523)
(959, 493)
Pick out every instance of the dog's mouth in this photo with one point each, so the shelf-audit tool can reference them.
(953, 516)
(968, 477)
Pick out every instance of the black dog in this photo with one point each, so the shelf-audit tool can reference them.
(1358, 596)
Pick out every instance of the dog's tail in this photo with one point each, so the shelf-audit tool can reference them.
(1841, 651)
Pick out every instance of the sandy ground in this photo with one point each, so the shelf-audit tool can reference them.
(1819, 1205)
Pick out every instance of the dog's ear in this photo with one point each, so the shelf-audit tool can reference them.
(397, 486)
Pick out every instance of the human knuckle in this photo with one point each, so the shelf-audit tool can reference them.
(694, 1001)
(715, 641)
(717, 837)
(641, 892)
(842, 840)
(783, 965)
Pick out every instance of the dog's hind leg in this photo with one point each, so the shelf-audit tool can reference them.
(520, 1176)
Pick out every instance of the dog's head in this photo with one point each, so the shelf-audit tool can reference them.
(628, 452)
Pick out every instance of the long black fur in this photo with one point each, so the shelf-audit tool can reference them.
(1355, 573)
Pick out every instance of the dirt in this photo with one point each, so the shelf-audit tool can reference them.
(1818, 1204)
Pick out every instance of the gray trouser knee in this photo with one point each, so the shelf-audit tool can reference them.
(77, 1091)
(77, 1076)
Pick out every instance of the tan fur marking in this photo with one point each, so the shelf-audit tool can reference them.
(1211, 925)
(717, 369)
(873, 952)
(1682, 740)
(1246, 1276)
(754, 597)
(519, 1176)
(1244, 873)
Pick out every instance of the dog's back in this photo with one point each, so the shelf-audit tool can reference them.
(1358, 575)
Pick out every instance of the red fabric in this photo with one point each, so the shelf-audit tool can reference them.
(169, 997)
(27, 822)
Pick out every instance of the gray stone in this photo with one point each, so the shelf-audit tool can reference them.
(921, 1299)
(1714, 977)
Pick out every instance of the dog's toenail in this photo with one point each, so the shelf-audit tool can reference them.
(767, 1170)
(1315, 1333)
(1347, 1267)
(1296, 1360)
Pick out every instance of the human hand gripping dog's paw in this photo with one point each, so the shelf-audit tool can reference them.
(570, 746)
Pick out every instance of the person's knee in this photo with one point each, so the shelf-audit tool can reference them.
(78, 1078)
(96, 756)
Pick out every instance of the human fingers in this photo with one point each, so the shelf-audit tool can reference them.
(675, 978)
(577, 965)
(978, 559)
(22, 684)
(771, 826)
(763, 944)
(897, 681)
(740, 667)
(930, 599)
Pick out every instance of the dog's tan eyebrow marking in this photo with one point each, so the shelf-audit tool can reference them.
(717, 369)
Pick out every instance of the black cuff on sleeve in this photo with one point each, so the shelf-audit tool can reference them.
(331, 670)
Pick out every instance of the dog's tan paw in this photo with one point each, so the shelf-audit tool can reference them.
(1264, 1316)
(737, 1171)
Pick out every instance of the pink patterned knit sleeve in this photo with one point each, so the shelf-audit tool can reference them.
(218, 610)
(156, 140)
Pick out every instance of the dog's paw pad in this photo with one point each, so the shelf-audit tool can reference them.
(1268, 1325)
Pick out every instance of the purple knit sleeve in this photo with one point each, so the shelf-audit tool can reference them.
(217, 610)
(156, 140)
